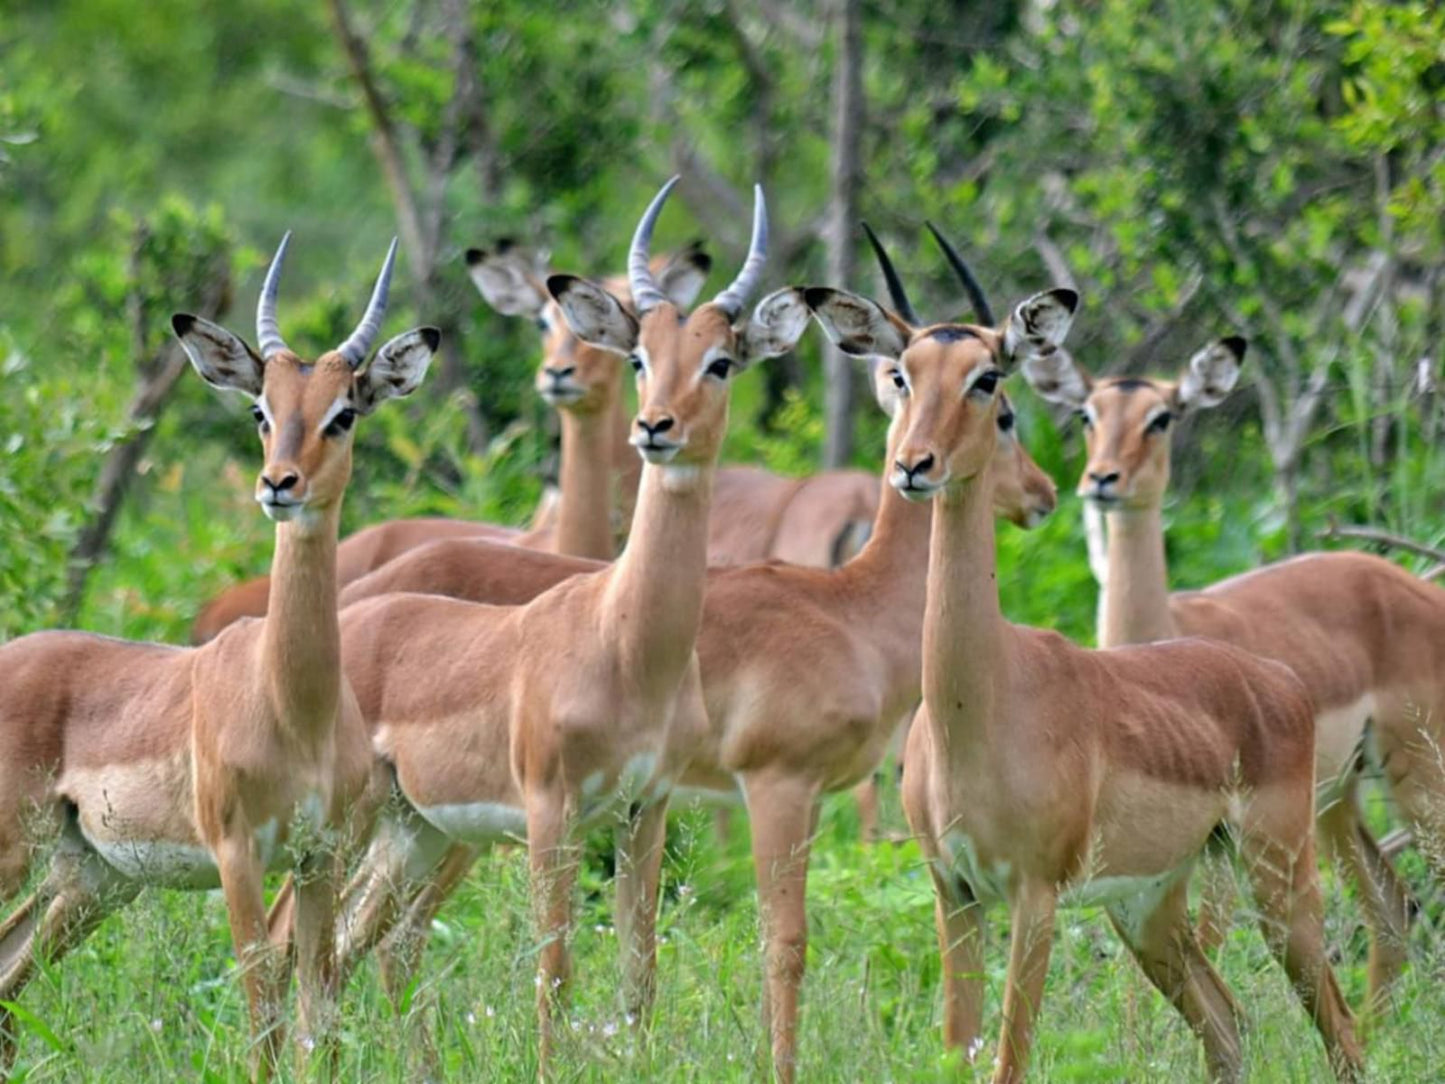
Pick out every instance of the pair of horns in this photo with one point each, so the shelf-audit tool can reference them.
(895, 285)
(357, 344)
(646, 294)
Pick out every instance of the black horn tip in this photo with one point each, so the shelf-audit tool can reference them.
(431, 336)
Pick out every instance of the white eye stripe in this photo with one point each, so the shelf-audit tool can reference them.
(978, 374)
(265, 409)
(1091, 414)
(342, 403)
(1154, 415)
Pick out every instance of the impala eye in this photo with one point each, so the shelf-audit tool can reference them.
(341, 423)
(260, 416)
(1159, 423)
(898, 381)
(720, 367)
(1005, 423)
(541, 322)
(1087, 421)
(987, 384)
(636, 362)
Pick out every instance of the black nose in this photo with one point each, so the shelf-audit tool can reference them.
(662, 425)
(1103, 479)
(559, 374)
(288, 481)
(922, 465)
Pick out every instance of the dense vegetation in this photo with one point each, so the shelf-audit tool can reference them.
(1275, 169)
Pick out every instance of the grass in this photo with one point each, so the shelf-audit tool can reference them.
(154, 995)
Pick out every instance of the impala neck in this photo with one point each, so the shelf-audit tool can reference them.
(654, 598)
(301, 637)
(887, 583)
(963, 628)
(1135, 604)
(584, 521)
(626, 466)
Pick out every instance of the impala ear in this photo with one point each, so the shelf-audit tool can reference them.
(397, 369)
(1038, 326)
(681, 278)
(777, 323)
(1058, 378)
(505, 281)
(594, 315)
(222, 358)
(1211, 374)
(857, 325)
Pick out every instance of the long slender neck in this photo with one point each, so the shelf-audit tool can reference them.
(654, 597)
(584, 520)
(963, 629)
(887, 583)
(301, 638)
(1135, 604)
(626, 463)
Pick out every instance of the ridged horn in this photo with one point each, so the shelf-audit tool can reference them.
(896, 292)
(268, 331)
(645, 292)
(355, 348)
(981, 306)
(732, 299)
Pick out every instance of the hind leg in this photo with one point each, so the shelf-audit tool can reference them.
(1159, 934)
(1279, 856)
(1411, 735)
(399, 953)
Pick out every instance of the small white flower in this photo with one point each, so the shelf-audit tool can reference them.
(471, 1018)
(609, 1029)
(491, 1012)
(156, 1025)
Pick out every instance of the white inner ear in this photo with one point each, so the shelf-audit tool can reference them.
(1057, 377)
(1209, 377)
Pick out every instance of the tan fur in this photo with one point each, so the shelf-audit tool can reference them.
(1365, 637)
(143, 752)
(1033, 763)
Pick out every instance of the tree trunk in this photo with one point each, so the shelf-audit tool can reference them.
(840, 393)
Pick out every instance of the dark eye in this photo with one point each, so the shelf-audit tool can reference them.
(1086, 420)
(635, 362)
(720, 367)
(898, 381)
(260, 416)
(1159, 423)
(341, 423)
(987, 384)
(541, 323)
(1005, 423)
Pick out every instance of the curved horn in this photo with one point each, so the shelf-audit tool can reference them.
(732, 299)
(975, 291)
(355, 349)
(890, 276)
(268, 331)
(645, 292)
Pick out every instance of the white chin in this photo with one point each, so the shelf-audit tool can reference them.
(659, 456)
(280, 513)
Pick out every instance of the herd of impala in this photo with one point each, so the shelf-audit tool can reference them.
(380, 710)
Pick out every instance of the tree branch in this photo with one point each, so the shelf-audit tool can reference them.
(1384, 538)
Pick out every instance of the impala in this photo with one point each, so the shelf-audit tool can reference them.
(1037, 770)
(187, 768)
(805, 675)
(1365, 637)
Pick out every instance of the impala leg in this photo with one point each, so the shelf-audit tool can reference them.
(1031, 941)
(865, 797)
(1387, 914)
(315, 888)
(782, 813)
(553, 857)
(399, 953)
(263, 965)
(1218, 889)
(1163, 942)
(958, 917)
(640, 843)
(1282, 871)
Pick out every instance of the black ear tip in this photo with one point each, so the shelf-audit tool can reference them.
(557, 285)
(182, 322)
(1236, 345)
(1067, 298)
(432, 337)
(475, 256)
(816, 296)
(702, 260)
(505, 245)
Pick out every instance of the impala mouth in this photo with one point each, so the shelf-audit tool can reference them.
(655, 449)
(1104, 496)
(914, 488)
(279, 509)
(561, 395)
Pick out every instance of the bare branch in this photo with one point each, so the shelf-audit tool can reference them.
(1384, 538)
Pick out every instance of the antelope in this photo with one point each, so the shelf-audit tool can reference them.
(1365, 637)
(192, 767)
(534, 720)
(1041, 773)
(779, 734)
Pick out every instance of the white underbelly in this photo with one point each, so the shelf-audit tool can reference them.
(477, 822)
(1337, 739)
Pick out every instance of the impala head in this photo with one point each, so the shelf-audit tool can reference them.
(945, 378)
(1127, 420)
(574, 375)
(1023, 494)
(683, 363)
(305, 409)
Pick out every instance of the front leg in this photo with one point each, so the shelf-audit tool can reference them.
(782, 811)
(958, 917)
(640, 843)
(316, 881)
(1031, 939)
(263, 965)
(553, 858)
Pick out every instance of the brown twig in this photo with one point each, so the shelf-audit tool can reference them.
(1384, 538)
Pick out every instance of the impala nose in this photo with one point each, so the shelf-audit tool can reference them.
(280, 485)
(557, 375)
(910, 475)
(1101, 479)
(662, 425)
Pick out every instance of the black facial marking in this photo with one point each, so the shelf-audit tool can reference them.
(1131, 384)
(952, 334)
